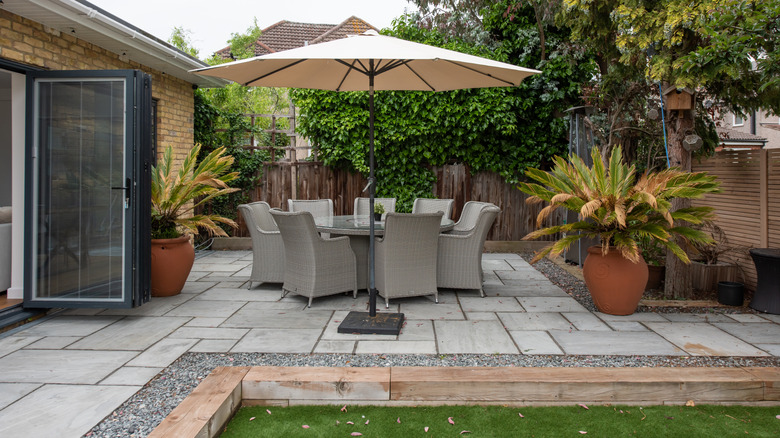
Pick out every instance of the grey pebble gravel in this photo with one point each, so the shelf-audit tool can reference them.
(139, 415)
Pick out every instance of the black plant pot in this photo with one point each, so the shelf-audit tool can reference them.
(731, 293)
(377, 217)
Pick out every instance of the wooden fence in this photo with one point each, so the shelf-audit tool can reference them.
(315, 181)
(748, 208)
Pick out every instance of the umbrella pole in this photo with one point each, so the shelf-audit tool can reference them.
(362, 322)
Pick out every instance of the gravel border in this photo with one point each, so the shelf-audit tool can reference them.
(140, 414)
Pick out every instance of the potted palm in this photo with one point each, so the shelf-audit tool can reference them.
(618, 208)
(175, 195)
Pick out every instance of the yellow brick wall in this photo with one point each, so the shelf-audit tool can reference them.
(31, 43)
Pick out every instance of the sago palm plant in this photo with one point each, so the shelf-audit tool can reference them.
(175, 195)
(617, 207)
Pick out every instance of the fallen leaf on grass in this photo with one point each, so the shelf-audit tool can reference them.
(251, 418)
(305, 426)
(583, 432)
(426, 428)
(690, 403)
(777, 416)
(344, 408)
(462, 432)
(670, 418)
(349, 422)
(269, 411)
(356, 434)
(450, 420)
(366, 421)
(736, 418)
(398, 420)
(521, 415)
(583, 406)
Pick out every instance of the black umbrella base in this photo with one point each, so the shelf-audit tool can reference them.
(364, 323)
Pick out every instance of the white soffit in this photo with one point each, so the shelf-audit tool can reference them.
(94, 25)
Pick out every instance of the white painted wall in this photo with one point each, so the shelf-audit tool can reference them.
(18, 82)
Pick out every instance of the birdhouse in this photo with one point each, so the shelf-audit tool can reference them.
(678, 99)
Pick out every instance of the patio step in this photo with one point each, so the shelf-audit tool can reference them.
(210, 406)
(16, 315)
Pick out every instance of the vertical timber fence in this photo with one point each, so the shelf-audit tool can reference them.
(748, 208)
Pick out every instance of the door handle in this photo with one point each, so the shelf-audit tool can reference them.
(126, 188)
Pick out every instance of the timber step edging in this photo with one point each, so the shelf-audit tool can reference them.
(206, 411)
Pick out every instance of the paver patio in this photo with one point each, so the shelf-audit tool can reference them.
(63, 374)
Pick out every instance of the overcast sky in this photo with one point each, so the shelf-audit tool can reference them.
(212, 22)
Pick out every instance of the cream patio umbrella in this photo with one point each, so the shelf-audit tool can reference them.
(369, 62)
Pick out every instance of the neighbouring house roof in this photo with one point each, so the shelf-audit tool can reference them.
(730, 138)
(286, 35)
(94, 25)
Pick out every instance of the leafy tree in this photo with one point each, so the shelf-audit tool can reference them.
(180, 38)
(503, 130)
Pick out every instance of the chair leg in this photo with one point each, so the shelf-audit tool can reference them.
(284, 293)
(354, 293)
(387, 303)
(250, 285)
(436, 297)
(481, 293)
(310, 298)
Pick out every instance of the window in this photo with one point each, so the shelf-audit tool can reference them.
(738, 121)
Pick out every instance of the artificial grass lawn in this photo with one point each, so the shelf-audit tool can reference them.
(497, 421)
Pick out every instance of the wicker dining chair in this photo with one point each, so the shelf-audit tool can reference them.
(406, 256)
(362, 208)
(425, 205)
(317, 207)
(314, 267)
(469, 217)
(267, 246)
(459, 265)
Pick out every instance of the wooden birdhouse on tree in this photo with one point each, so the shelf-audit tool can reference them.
(678, 99)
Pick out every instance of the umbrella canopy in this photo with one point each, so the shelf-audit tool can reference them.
(369, 62)
(345, 65)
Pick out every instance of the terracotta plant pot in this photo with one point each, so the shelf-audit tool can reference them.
(172, 261)
(615, 283)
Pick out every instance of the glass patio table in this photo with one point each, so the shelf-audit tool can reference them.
(356, 227)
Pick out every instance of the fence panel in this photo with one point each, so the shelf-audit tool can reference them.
(748, 208)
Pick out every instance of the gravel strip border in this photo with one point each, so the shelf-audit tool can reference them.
(139, 415)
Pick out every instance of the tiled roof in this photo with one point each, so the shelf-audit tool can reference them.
(286, 35)
(726, 134)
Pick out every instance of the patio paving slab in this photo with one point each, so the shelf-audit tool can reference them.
(701, 339)
(61, 366)
(11, 392)
(535, 342)
(754, 332)
(12, 343)
(328, 346)
(133, 376)
(210, 308)
(534, 321)
(279, 318)
(697, 317)
(416, 330)
(638, 317)
(490, 304)
(209, 333)
(481, 316)
(524, 289)
(196, 287)
(528, 274)
(586, 321)
(278, 341)
(213, 345)
(63, 411)
(158, 306)
(627, 326)
(162, 353)
(70, 325)
(205, 321)
(396, 347)
(418, 309)
(53, 342)
(747, 317)
(478, 337)
(331, 330)
(130, 333)
(551, 304)
(489, 264)
(239, 294)
(614, 343)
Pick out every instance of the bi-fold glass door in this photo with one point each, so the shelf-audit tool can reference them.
(88, 198)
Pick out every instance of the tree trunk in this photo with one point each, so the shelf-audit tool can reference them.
(677, 283)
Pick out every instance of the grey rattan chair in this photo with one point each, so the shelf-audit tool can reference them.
(361, 206)
(469, 216)
(425, 205)
(406, 256)
(318, 207)
(267, 246)
(460, 255)
(314, 267)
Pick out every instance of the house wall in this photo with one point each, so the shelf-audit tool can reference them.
(31, 43)
(766, 126)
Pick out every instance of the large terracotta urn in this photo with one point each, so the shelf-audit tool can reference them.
(172, 261)
(615, 283)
